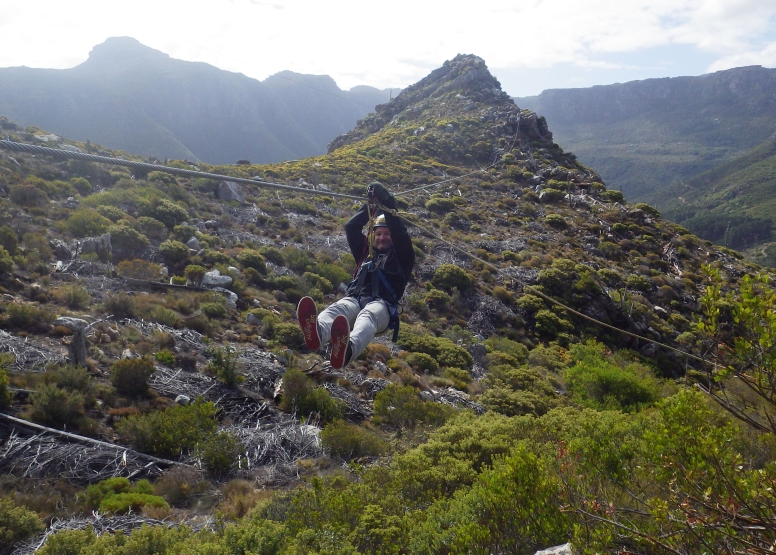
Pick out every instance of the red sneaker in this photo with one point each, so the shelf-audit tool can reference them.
(340, 342)
(307, 314)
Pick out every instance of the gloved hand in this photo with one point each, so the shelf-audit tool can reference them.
(378, 191)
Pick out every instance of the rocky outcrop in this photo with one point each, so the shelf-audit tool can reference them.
(228, 190)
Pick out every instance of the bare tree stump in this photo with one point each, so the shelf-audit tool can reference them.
(77, 353)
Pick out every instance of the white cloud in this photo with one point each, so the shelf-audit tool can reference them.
(387, 44)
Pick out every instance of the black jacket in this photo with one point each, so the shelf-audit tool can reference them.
(399, 261)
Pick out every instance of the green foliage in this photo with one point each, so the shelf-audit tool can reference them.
(113, 213)
(333, 273)
(250, 258)
(223, 363)
(8, 240)
(552, 195)
(448, 276)
(120, 305)
(125, 240)
(175, 253)
(516, 391)
(347, 441)
(421, 362)
(443, 350)
(301, 397)
(6, 262)
(530, 303)
(550, 324)
(139, 269)
(272, 254)
(75, 297)
(27, 196)
(165, 357)
(54, 406)
(16, 523)
(402, 407)
(638, 282)
(508, 346)
(95, 493)
(130, 376)
(86, 222)
(556, 220)
(171, 431)
(287, 334)
(214, 310)
(5, 392)
(613, 196)
(219, 454)
(498, 513)
(124, 502)
(595, 381)
(440, 205)
(169, 213)
(81, 185)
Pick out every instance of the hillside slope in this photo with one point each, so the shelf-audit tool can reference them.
(644, 136)
(131, 97)
(509, 401)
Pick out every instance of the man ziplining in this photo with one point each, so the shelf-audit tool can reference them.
(384, 259)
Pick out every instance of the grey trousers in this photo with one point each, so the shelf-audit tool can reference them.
(365, 322)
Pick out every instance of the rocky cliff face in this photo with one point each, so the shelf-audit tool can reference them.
(645, 135)
(131, 97)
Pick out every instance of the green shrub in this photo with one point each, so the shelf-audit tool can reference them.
(16, 523)
(81, 185)
(86, 222)
(179, 484)
(219, 454)
(175, 253)
(126, 241)
(300, 396)
(139, 269)
(165, 357)
(517, 391)
(347, 441)
(151, 228)
(168, 432)
(402, 407)
(75, 297)
(272, 254)
(250, 258)
(9, 240)
(214, 310)
(550, 324)
(113, 213)
(638, 282)
(223, 364)
(130, 376)
(26, 316)
(95, 493)
(443, 350)
(72, 378)
(613, 196)
(5, 392)
(333, 273)
(54, 406)
(556, 221)
(552, 195)
(440, 205)
(508, 346)
(421, 362)
(288, 334)
(599, 383)
(194, 273)
(459, 377)
(449, 276)
(120, 306)
(169, 213)
(124, 502)
(437, 299)
(6, 262)
(28, 196)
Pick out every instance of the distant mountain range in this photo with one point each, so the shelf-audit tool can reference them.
(131, 97)
(646, 137)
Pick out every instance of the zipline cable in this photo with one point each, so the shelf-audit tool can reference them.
(68, 154)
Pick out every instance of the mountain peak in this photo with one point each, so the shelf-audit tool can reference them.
(121, 51)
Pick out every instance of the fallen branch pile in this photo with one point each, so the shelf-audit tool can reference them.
(279, 443)
(186, 335)
(28, 357)
(357, 408)
(45, 456)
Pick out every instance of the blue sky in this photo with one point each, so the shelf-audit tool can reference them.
(530, 45)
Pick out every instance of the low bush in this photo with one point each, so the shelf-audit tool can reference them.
(214, 310)
(86, 222)
(130, 376)
(74, 297)
(27, 196)
(402, 407)
(302, 397)
(223, 364)
(250, 258)
(139, 269)
(54, 406)
(171, 431)
(288, 334)
(25, 316)
(219, 454)
(443, 350)
(179, 484)
(165, 357)
(120, 306)
(16, 523)
(449, 276)
(348, 441)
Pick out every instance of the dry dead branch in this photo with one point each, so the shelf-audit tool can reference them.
(28, 357)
